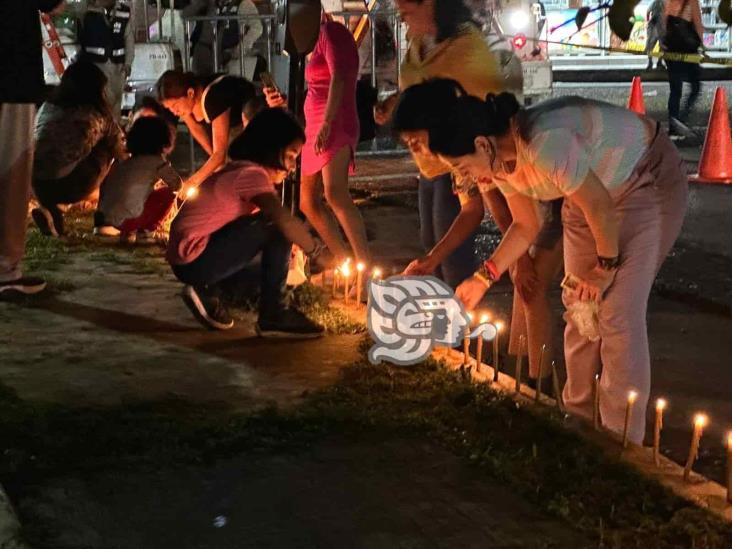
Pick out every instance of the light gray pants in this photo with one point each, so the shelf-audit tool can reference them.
(16, 167)
(650, 212)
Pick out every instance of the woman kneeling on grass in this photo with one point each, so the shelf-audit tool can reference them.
(625, 197)
(237, 215)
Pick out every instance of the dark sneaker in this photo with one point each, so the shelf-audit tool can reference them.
(27, 285)
(45, 221)
(207, 309)
(290, 323)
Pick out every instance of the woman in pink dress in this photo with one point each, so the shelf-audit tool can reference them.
(332, 131)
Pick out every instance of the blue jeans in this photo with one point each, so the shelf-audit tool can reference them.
(438, 208)
(231, 250)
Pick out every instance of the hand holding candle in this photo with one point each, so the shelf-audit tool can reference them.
(632, 397)
(700, 421)
(658, 425)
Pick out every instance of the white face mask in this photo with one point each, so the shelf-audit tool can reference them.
(330, 6)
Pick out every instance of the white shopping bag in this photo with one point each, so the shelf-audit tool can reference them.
(296, 274)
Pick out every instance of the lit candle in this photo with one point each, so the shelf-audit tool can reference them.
(729, 467)
(700, 420)
(542, 356)
(346, 271)
(499, 328)
(376, 274)
(519, 363)
(191, 193)
(660, 407)
(359, 282)
(555, 382)
(596, 407)
(466, 341)
(484, 319)
(632, 396)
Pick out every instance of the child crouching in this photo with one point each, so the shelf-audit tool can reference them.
(236, 216)
(128, 199)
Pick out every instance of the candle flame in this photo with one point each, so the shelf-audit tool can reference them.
(191, 193)
(660, 405)
(700, 420)
(499, 326)
(376, 273)
(484, 318)
(729, 440)
(360, 267)
(632, 395)
(346, 270)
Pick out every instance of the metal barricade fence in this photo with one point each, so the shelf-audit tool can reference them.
(266, 20)
(395, 23)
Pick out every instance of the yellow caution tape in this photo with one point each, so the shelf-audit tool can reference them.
(697, 58)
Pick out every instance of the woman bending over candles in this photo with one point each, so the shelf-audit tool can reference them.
(625, 194)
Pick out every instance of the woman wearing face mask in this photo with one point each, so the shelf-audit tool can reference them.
(443, 43)
(625, 194)
(216, 100)
(533, 273)
(238, 215)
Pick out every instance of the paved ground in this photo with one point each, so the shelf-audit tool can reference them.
(366, 494)
(117, 333)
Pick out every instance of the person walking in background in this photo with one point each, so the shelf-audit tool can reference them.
(107, 38)
(654, 30)
(332, 131)
(683, 34)
(228, 36)
(443, 43)
(76, 139)
(21, 88)
(128, 199)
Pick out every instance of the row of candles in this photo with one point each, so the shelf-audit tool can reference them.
(343, 275)
(700, 420)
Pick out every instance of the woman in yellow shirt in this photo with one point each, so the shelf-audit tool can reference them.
(443, 43)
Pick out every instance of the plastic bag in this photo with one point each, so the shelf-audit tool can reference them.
(583, 314)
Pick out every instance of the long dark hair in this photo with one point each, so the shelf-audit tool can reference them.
(469, 117)
(423, 105)
(450, 16)
(82, 84)
(266, 138)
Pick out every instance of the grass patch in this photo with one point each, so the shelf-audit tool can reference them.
(610, 503)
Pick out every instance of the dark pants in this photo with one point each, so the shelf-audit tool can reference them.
(232, 249)
(678, 73)
(79, 185)
(438, 208)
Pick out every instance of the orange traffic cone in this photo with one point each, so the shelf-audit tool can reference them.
(635, 102)
(715, 165)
